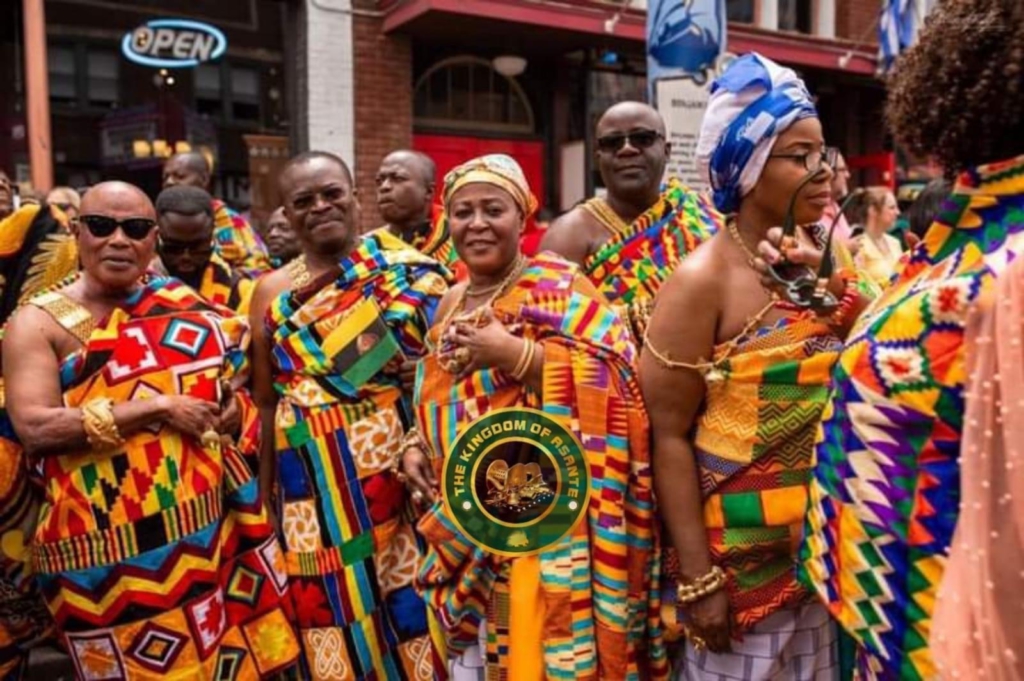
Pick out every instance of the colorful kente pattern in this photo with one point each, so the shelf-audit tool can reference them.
(435, 241)
(237, 243)
(885, 492)
(350, 550)
(156, 558)
(36, 252)
(632, 265)
(600, 613)
(222, 286)
(754, 443)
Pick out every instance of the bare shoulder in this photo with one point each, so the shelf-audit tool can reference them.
(571, 235)
(24, 329)
(269, 287)
(696, 278)
(449, 300)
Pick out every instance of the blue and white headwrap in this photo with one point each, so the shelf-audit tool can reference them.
(751, 104)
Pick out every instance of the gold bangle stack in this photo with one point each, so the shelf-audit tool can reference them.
(701, 587)
(412, 439)
(525, 360)
(98, 423)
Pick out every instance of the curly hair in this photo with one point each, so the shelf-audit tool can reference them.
(958, 95)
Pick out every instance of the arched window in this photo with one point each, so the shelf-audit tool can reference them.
(466, 93)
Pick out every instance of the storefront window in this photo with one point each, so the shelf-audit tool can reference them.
(63, 76)
(103, 78)
(245, 94)
(795, 15)
(466, 93)
(209, 101)
(740, 11)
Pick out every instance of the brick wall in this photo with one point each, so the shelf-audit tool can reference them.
(383, 104)
(858, 20)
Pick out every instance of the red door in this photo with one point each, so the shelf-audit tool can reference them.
(449, 151)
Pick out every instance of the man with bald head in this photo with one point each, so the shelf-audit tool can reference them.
(330, 331)
(234, 239)
(629, 241)
(124, 385)
(405, 199)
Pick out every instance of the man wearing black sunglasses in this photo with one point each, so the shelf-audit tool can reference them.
(186, 249)
(233, 237)
(639, 215)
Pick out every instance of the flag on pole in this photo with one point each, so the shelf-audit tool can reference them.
(898, 26)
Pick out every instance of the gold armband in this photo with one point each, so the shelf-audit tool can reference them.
(98, 422)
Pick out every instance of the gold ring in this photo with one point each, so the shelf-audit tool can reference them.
(417, 496)
(210, 438)
(699, 643)
(461, 355)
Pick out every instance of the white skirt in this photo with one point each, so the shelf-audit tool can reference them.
(797, 644)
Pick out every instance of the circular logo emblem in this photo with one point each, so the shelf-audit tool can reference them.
(516, 481)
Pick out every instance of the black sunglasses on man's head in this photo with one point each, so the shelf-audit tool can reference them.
(102, 226)
(638, 139)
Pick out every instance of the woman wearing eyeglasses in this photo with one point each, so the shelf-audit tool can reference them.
(734, 378)
(152, 549)
(534, 333)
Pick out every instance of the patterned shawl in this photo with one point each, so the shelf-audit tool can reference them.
(161, 544)
(754, 443)
(600, 612)
(221, 286)
(235, 240)
(403, 284)
(630, 267)
(435, 241)
(886, 486)
(36, 251)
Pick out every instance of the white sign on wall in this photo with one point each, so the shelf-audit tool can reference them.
(682, 102)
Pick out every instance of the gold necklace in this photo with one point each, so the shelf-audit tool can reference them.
(734, 232)
(458, 362)
(608, 218)
(298, 272)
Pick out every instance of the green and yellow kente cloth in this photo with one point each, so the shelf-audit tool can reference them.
(754, 443)
(237, 243)
(585, 608)
(351, 553)
(156, 557)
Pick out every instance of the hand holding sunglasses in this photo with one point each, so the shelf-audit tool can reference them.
(103, 226)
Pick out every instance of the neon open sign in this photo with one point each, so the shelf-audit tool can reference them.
(173, 43)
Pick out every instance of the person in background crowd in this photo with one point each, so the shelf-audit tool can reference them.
(185, 247)
(926, 207)
(234, 239)
(282, 244)
(589, 617)
(885, 494)
(735, 379)
(152, 548)
(6, 195)
(330, 330)
(67, 200)
(629, 242)
(405, 199)
(878, 251)
(840, 190)
(36, 252)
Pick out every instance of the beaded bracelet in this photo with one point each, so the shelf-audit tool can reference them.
(851, 293)
(701, 587)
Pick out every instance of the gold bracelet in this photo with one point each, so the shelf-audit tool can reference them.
(412, 439)
(525, 360)
(701, 587)
(98, 422)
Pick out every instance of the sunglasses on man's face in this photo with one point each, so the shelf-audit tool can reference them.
(171, 247)
(102, 226)
(638, 139)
